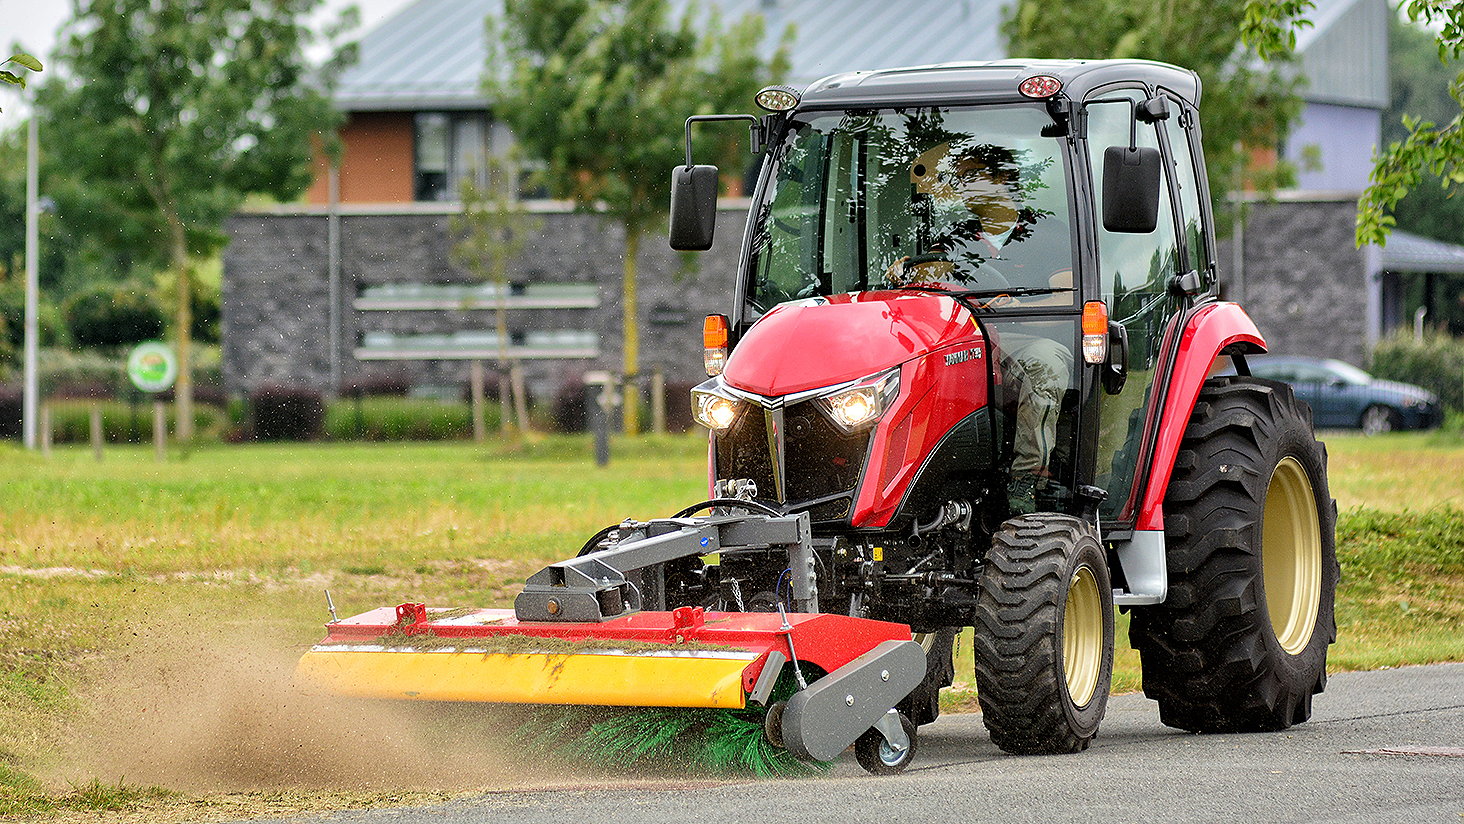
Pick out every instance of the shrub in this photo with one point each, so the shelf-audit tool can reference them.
(114, 315)
(394, 381)
(678, 406)
(1435, 363)
(12, 406)
(280, 412)
(401, 419)
(568, 413)
(124, 422)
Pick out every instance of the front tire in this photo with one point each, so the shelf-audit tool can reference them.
(1240, 645)
(1044, 635)
(1377, 419)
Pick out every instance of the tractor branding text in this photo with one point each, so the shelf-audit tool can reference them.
(962, 356)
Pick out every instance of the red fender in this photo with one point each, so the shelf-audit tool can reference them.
(1208, 331)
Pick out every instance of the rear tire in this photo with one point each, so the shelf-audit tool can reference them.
(1240, 645)
(1044, 635)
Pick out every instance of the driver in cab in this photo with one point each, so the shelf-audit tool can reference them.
(990, 240)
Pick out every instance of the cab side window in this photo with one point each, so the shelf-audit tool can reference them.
(1186, 179)
(1135, 273)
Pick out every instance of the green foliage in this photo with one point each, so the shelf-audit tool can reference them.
(1436, 363)
(599, 90)
(1242, 105)
(1427, 148)
(169, 114)
(24, 61)
(400, 419)
(114, 315)
(122, 422)
(50, 324)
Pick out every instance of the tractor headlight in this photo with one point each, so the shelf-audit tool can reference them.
(853, 409)
(715, 412)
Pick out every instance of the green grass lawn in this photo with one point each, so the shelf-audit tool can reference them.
(132, 587)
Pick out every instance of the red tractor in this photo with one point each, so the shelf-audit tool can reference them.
(965, 381)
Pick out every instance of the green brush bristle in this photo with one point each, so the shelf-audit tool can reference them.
(717, 742)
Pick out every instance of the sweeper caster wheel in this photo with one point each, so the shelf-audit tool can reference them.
(878, 757)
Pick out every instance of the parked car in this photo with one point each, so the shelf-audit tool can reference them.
(1343, 396)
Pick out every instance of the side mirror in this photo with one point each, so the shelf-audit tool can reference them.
(693, 207)
(1130, 189)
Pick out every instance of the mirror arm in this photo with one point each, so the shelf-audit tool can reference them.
(756, 129)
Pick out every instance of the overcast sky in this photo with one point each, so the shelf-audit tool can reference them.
(32, 25)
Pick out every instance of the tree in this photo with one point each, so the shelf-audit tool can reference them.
(1245, 108)
(170, 114)
(1419, 89)
(1426, 148)
(599, 90)
(491, 232)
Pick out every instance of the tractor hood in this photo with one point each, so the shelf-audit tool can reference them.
(818, 342)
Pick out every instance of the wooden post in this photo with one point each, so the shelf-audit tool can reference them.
(96, 431)
(160, 430)
(505, 412)
(658, 401)
(46, 430)
(475, 391)
(520, 396)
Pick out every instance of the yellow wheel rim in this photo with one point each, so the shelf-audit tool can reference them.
(1082, 636)
(1291, 554)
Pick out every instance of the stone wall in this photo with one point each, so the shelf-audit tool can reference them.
(1305, 283)
(1304, 286)
(276, 290)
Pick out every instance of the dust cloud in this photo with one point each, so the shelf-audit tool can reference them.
(222, 714)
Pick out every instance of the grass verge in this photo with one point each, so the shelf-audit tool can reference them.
(131, 589)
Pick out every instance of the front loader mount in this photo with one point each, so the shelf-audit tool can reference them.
(598, 630)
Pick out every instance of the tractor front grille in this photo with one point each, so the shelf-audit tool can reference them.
(820, 460)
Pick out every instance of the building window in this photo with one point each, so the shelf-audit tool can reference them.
(449, 146)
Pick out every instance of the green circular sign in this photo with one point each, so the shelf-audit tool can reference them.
(152, 366)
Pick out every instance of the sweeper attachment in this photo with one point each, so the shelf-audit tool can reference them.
(970, 378)
(595, 630)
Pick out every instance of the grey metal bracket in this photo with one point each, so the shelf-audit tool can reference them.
(893, 731)
(626, 578)
(822, 721)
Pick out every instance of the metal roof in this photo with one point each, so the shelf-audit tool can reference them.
(1344, 54)
(431, 53)
(1407, 252)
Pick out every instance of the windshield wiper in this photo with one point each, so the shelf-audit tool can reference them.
(1015, 292)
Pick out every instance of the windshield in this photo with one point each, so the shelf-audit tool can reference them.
(970, 198)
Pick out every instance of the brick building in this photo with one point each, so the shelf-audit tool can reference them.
(357, 279)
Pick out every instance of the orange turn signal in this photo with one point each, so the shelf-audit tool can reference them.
(714, 343)
(714, 331)
(1095, 331)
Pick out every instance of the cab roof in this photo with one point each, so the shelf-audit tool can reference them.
(991, 81)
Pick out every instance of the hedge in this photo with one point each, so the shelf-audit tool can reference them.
(1435, 363)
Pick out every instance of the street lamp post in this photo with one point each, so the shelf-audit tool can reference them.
(31, 401)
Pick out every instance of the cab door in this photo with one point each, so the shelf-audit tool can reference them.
(1141, 277)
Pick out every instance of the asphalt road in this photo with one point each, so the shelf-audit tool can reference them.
(1137, 770)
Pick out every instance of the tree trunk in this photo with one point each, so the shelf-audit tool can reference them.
(631, 363)
(182, 329)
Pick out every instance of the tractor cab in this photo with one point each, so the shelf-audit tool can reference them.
(1059, 203)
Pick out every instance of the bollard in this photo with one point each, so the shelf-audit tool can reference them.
(160, 431)
(658, 401)
(45, 430)
(96, 431)
(475, 398)
(600, 401)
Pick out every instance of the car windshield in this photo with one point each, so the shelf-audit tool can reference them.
(972, 198)
(1349, 373)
